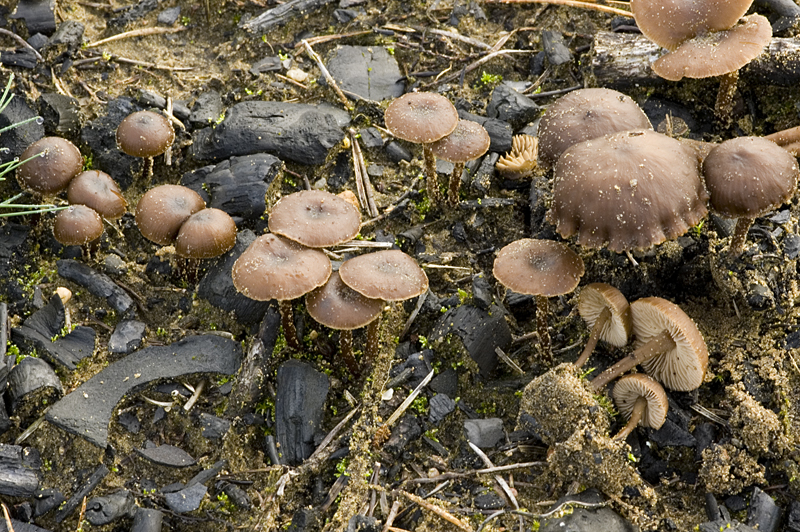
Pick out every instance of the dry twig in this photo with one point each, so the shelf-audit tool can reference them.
(135, 33)
(568, 3)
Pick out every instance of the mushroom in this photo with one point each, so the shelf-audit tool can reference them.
(339, 307)
(274, 267)
(541, 268)
(642, 401)
(586, 114)
(608, 313)
(629, 190)
(468, 141)
(206, 234)
(423, 118)
(520, 162)
(746, 177)
(668, 345)
(99, 191)
(315, 218)
(77, 225)
(51, 172)
(145, 134)
(163, 209)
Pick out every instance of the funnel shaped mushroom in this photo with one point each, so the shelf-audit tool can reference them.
(468, 141)
(608, 313)
(162, 210)
(98, 191)
(273, 267)
(668, 345)
(315, 218)
(145, 134)
(51, 172)
(642, 401)
(746, 177)
(541, 268)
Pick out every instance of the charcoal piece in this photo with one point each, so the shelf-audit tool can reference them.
(90, 484)
(39, 15)
(134, 13)
(791, 246)
(46, 500)
(370, 138)
(440, 406)
(793, 519)
(489, 501)
(17, 478)
(299, 408)
(187, 499)
(206, 109)
(484, 433)
(235, 494)
(167, 455)
(446, 383)
(127, 336)
(363, 523)
(151, 99)
(130, 422)
(368, 72)
(37, 40)
(103, 510)
(99, 284)
(67, 38)
(268, 64)
(147, 520)
(482, 293)
(554, 47)
(169, 16)
(588, 520)
(704, 434)
(482, 180)
(282, 14)
(671, 434)
(21, 526)
(19, 138)
(207, 474)
(87, 410)
(213, 427)
(32, 384)
(500, 132)
(404, 432)
(22, 58)
(419, 365)
(763, 514)
(727, 526)
(396, 152)
(105, 154)
(510, 106)
(297, 132)
(480, 332)
(61, 114)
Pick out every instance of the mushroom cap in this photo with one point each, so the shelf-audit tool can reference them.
(748, 176)
(273, 267)
(629, 388)
(629, 190)
(668, 23)
(521, 160)
(683, 367)
(99, 191)
(315, 218)
(468, 141)
(163, 209)
(77, 225)
(145, 134)
(390, 275)
(49, 173)
(338, 306)
(598, 296)
(538, 267)
(421, 117)
(714, 54)
(586, 114)
(206, 234)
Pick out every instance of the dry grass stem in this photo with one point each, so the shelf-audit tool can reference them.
(568, 3)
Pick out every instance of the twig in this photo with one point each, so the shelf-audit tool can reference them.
(22, 42)
(136, 33)
(290, 80)
(472, 66)
(154, 66)
(411, 189)
(82, 514)
(410, 399)
(505, 358)
(500, 480)
(7, 517)
(332, 434)
(456, 475)
(313, 55)
(568, 3)
(195, 395)
(441, 512)
(413, 316)
(392, 514)
(363, 185)
(327, 38)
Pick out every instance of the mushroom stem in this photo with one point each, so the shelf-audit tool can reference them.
(636, 416)
(455, 183)
(432, 179)
(658, 345)
(346, 347)
(723, 107)
(373, 335)
(542, 306)
(740, 235)
(287, 322)
(147, 169)
(594, 336)
(787, 138)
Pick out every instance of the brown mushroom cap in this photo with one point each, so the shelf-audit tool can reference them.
(145, 134)
(683, 367)
(390, 275)
(630, 190)
(629, 388)
(714, 54)
(421, 117)
(338, 306)
(163, 209)
(315, 218)
(748, 176)
(586, 114)
(49, 173)
(468, 141)
(273, 267)
(99, 191)
(598, 296)
(538, 267)
(206, 234)
(668, 23)
(77, 225)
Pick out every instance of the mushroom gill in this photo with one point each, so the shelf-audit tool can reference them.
(520, 162)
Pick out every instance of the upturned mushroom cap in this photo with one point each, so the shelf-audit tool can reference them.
(670, 22)
(468, 141)
(338, 306)
(390, 275)
(521, 160)
(315, 218)
(145, 134)
(629, 388)
(586, 114)
(421, 117)
(630, 190)
(77, 225)
(748, 176)
(99, 191)
(597, 296)
(206, 234)
(273, 267)
(714, 54)
(682, 368)
(49, 173)
(538, 267)
(163, 209)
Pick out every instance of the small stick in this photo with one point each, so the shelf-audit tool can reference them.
(505, 358)
(7, 517)
(441, 512)
(500, 480)
(120, 59)
(479, 62)
(82, 514)
(410, 399)
(568, 3)
(195, 396)
(23, 43)
(313, 55)
(392, 514)
(366, 185)
(136, 33)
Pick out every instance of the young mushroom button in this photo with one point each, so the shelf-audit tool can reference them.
(206, 234)
(468, 141)
(145, 134)
(51, 172)
(99, 191)
(642, 401)
(315, 218)
(608, 313)
(77, 225)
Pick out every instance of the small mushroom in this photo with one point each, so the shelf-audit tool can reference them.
(541, 268)
(608, 313)
(206, 234)
(423, 118)
(642, 401)
(77, 225)
(163, 209)
(99, 191)
(315, 218)
(520, 162)
(145, 134)
(50, 173)
(668, 345)
(468, 141)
